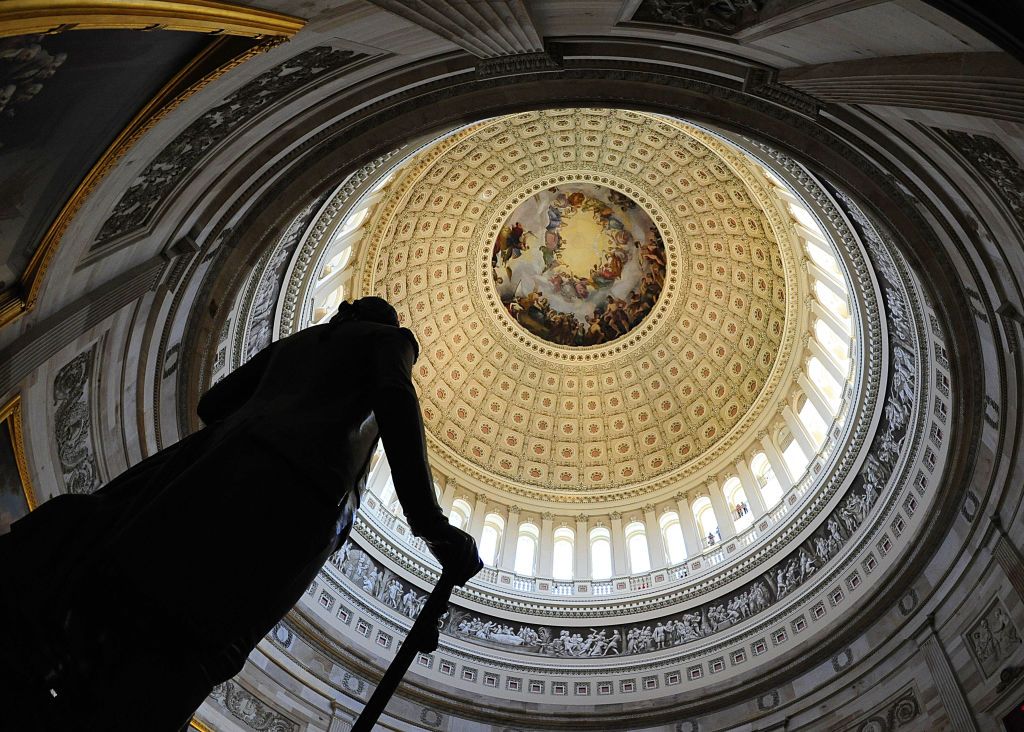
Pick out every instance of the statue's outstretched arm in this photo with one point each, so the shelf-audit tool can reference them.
(234, 390)
(397, 410)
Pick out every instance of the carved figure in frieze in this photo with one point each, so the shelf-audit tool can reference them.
(821, 548)
(835, 532)
(407, 605)
(1004, 634)
(614, 644)
(849, 514)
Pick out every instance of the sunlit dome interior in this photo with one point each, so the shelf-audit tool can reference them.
(693, 422)
(649, 376)
(720, 320)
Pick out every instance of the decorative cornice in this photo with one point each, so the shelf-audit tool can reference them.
(20, 17)
(22, 297)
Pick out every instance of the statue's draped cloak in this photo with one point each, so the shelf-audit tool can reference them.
(195, 553)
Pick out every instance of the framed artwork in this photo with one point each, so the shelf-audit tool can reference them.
(16, 495)
(79, 85)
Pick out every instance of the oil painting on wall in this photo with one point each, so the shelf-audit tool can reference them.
(16, 497)
(64, 98)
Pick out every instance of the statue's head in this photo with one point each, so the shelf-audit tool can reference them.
(371, 308)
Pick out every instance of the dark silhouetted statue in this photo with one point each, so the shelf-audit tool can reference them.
(122, 609)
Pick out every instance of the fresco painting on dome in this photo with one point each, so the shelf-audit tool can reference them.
(579, 265)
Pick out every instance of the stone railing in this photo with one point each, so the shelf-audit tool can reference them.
(494, 578)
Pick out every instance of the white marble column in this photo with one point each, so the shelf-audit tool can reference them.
(808, 234)
(828, 361)
(476, 521)
(447, 495)
(691, 535)
(816, 398)
(509, 541)
(799, 432)
(826, 278)
(751, 490)
(838, 325)
(655, 540)
(723, 514)
(581, 546)
(380, 478)
(547, 541)
(619, 564)
(340, 721)
(777, 462)
(953, 699)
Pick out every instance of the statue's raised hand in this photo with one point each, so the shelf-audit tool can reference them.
(455, 550)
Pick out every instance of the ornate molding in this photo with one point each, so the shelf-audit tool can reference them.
(250, 709)
(21, 17)
(175, 163)
(709, 16)
(22, 297)
(10, 413)
(72, 429)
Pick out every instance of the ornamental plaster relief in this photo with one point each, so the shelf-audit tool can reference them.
(73, 430)
(993, 638)
(500, 401)
(155, 184)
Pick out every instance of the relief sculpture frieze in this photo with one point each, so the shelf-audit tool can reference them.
(993, 638)
(73, 424)
(176, 161)
(996, 165)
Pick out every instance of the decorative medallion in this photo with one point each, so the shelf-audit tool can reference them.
(579, 265)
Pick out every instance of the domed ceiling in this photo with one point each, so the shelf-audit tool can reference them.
(601, 298)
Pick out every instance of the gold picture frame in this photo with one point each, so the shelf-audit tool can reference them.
(18, 17)
(17, 496)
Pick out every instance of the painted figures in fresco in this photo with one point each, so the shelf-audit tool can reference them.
(24, 66)
(596, 269)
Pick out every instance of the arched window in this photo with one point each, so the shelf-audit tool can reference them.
(459, 515)
(795, 458)
(387, 492)
(830, 300)
(823, 259)
(561, 553)
(832, 342)
(771, 491)
(672, 532)
(812, 420)
(526, 549)
(736, 501)
(706, 521)
(636, 546)
(489, 538)
(600, 553)
(823, 379)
